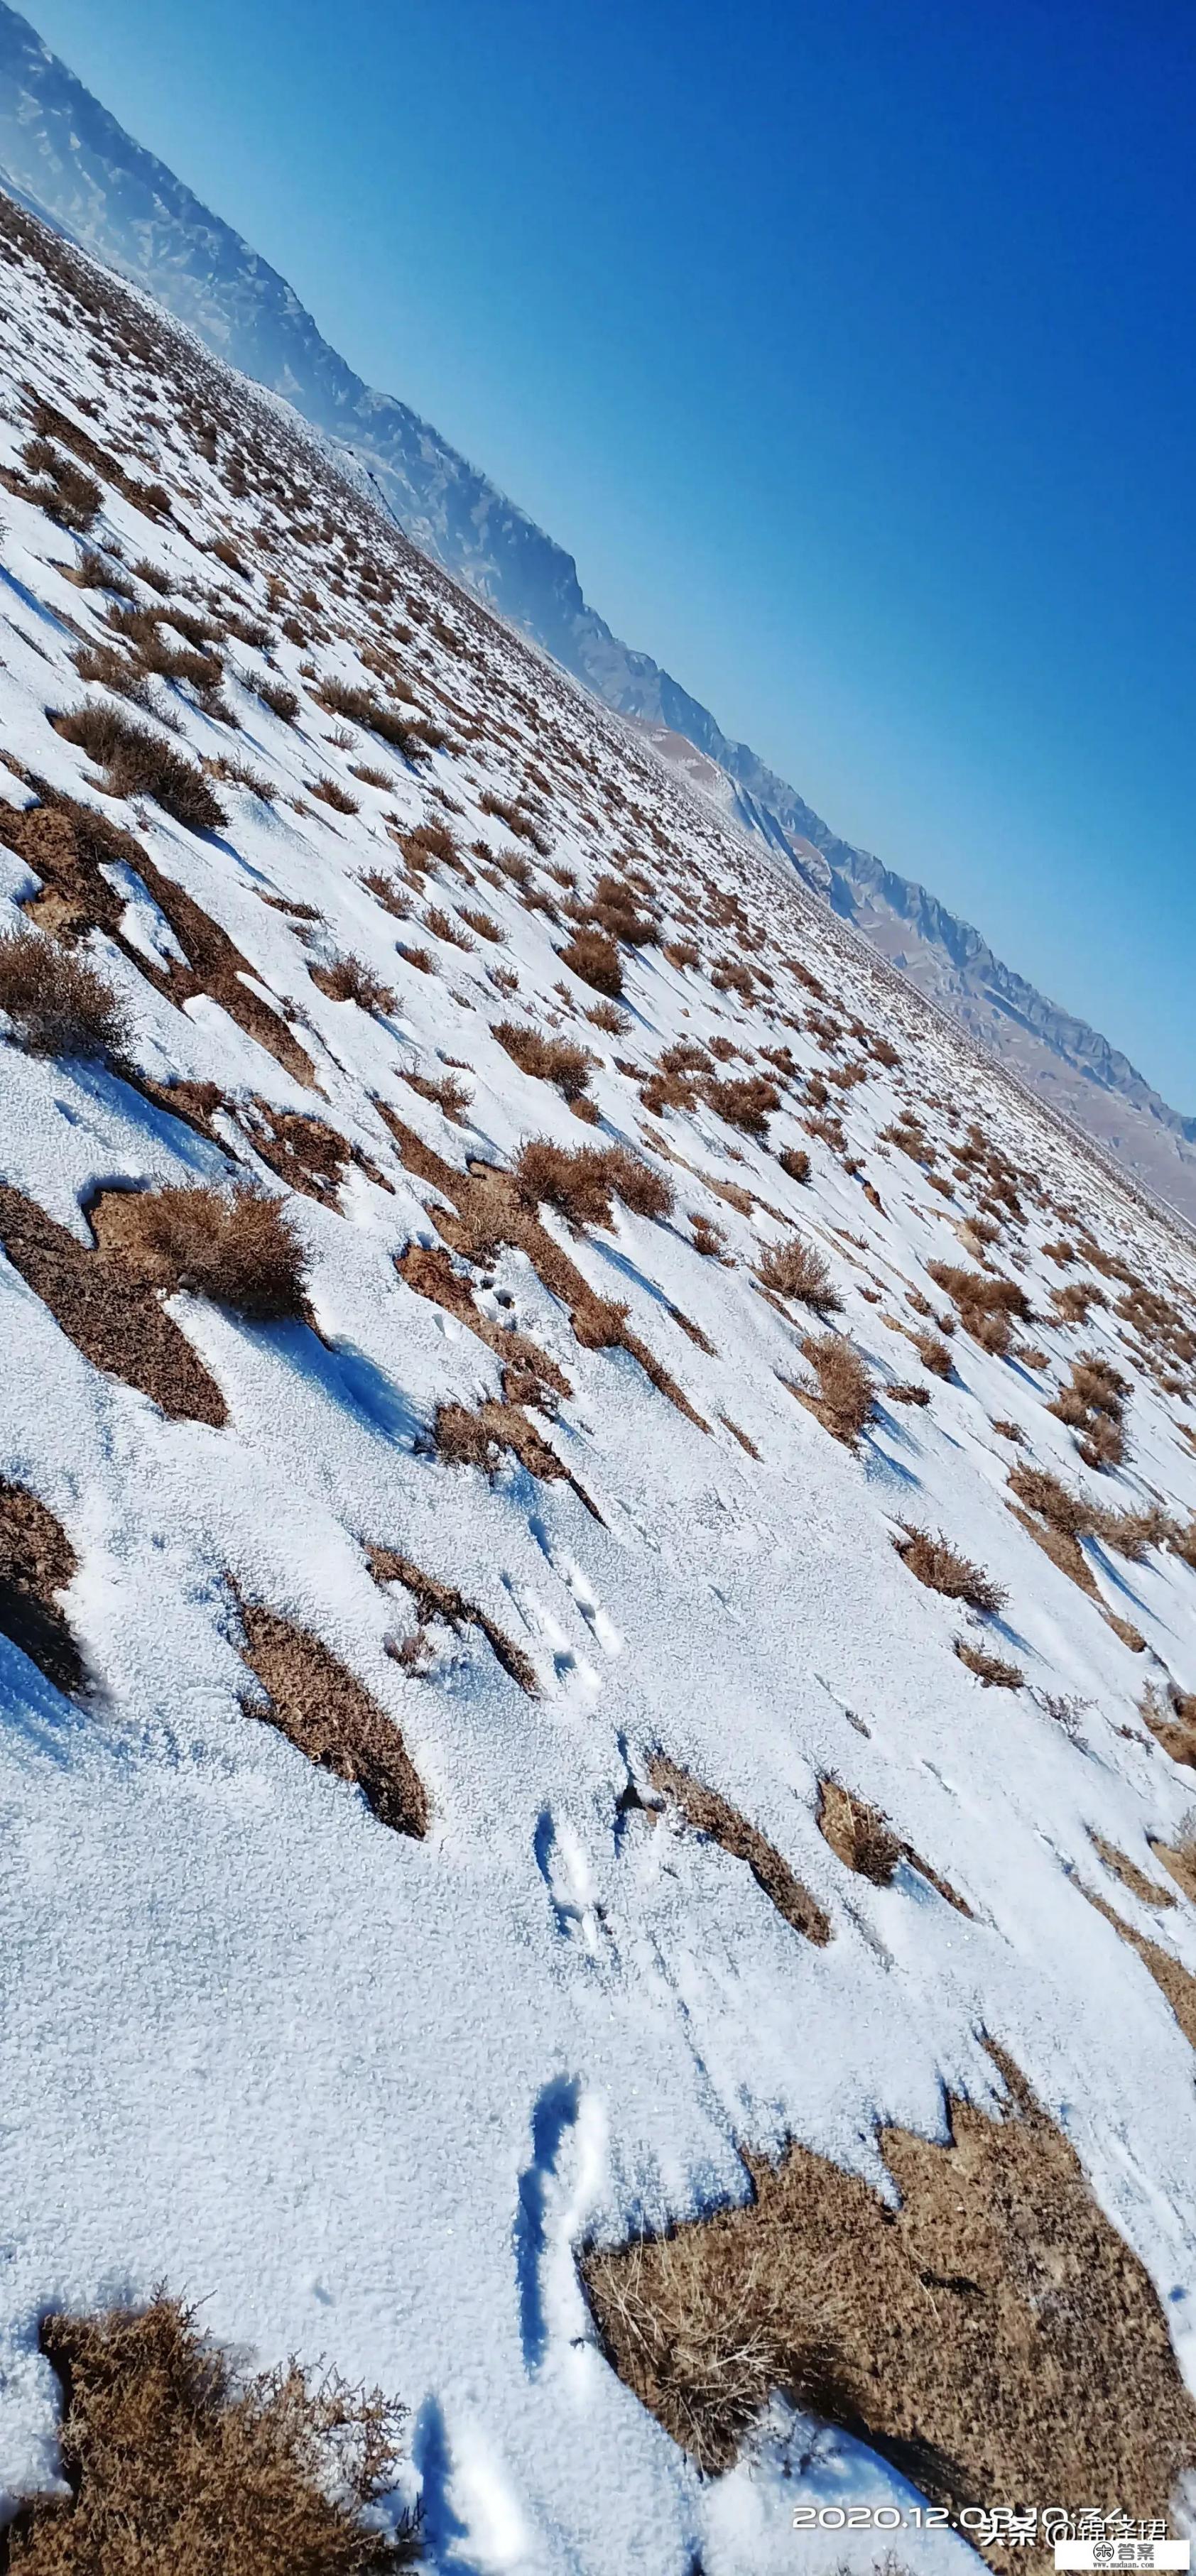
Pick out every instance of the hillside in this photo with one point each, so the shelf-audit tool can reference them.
(597, 1590)
(66, 155)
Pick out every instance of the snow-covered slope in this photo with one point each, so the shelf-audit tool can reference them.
(64, 153)
(370, 2093)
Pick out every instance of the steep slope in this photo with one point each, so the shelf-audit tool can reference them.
(65, 154)
(597, 1573)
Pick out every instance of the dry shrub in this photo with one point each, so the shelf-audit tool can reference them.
(942, 1569)
(37, 1562)
(992, 1670)
(615, 910)
(747, 1105)
(234, 1246)
(605, 1016)
(451, 1095)
(483, 925)
(179, 2465)
(991, 2334)
(59, 1004)
(595, 960)
(794, 1160)
(555, 1060)
(639, 1185)
(709, 1239)
(710, 1814)
(845, 1398)
(934, 1354)
(330, 792)
(421, 958)
(578, 1185)
(349, 979)
(62, 488)
(282, 702)
(985, 1303)
(137, 762)
(795, 1269)
(328, 1715)
(116, 1320)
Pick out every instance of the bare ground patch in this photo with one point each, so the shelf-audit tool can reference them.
(328, 1715)
(178, 2465)
(991, 2336)
(713, 1815)
(116, 1320)
(37, 1562)
(435, 1599)
(1173, 1980)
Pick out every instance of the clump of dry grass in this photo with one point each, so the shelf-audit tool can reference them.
(942, 1569)
(846, 1395)
(349, 979)
(595, 960)
(1092, 1404)
(795, 1269)
(114, 1318)
(581, 1185)
(282, 701)
(179, 2465)
(934, 1353)
(547, 1059)
(922, 2328)
(331, 792)
(59, 1004)
(747, 1105)
(984, 1302)
(65, 491)
(992, 1670)
(713, 1815)
(138, 762)
(37, 1562)
(709, 1239)
(435, 1599)
(328, 1715)
(234, 1246)
(795, 1161)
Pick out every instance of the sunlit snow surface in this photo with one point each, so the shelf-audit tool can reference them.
(362, 2096)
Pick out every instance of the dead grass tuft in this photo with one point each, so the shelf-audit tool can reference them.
(992, 1670)
(795, 1269)
(180, 2466)
(137, 762)
(990, 2335)
(860, 1838)
(349, 979)
(234, 1246)
(37, 1562)
(555, 1060)
(58, 1003)
(595, 960)
(435, 1599)
(746, 1105)
(117, 1321)
(942, 1569)
(845, 1400)
(934, 1353)
(328, 1715)
(710, 1814)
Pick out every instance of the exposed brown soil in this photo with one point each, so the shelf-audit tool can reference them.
(1147, 1890)
(66, 843)
(861, 1839)
(1179, 1860)
(993, 2336)
(1175, 1982)
(327, 1714)
(435, 1599)
(37, 1562)
(115, 1319)
(488, 1208)
(710, 1814)
(179, 2466)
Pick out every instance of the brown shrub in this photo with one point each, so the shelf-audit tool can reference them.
(330, 792)
(180, 2465)
(577, 1184)
(233, 1246)
(934, 1354)
(595, 960)
(794, 1160)
(747, 1105)
(989, 1669)
(615, 910)
(37, 1562)
(555, 1060)
(328, 1715)
(137, 762)
(795, 1269)
(845, 1398)
(58, 1003)
(921, 2327)
(282, 702)
(420, 958)
(639, 1185)
(605, 1016)
(710, 1814)
(484, 925)
(349, 979)
(980, 1296)
(942, 1569)
(709, 1239)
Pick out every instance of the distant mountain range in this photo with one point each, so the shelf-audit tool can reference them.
(63, 153)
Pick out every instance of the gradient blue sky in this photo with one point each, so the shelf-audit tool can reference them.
(848, 344)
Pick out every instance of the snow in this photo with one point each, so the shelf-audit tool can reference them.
(364, 2097)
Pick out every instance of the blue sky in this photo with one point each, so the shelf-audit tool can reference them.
(846, 343)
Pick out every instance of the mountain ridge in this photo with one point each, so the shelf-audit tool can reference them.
(62, 151)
